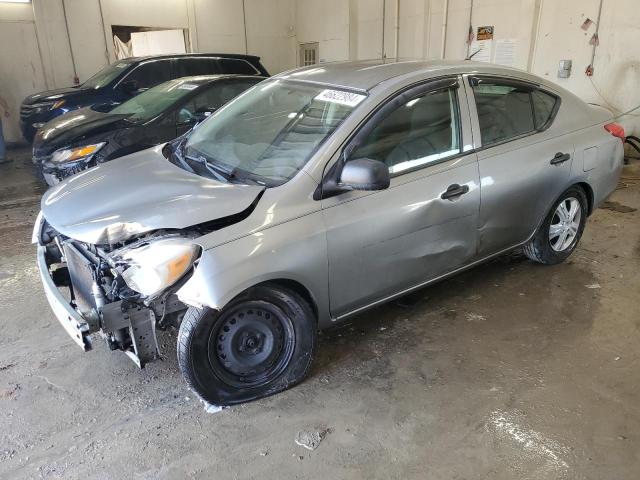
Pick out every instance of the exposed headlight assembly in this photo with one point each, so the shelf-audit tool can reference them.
(76, 153)
(154, 266)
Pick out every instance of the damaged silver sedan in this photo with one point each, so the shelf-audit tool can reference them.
(313, 196)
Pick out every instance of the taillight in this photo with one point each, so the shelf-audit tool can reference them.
(616, 130)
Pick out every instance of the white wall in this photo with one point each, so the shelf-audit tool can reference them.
(271, 33)
(21, 71)
(325, 22)
(219, 25)
(616, 79)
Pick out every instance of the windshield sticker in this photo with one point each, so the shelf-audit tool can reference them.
(187, 86)
(338, 96)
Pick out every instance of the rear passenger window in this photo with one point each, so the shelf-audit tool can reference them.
(504, 111)
(417, 133)
(187, 67)
(543, 106)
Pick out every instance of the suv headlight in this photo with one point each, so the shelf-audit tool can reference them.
(44, 106)
(76, 153)
(156, 265)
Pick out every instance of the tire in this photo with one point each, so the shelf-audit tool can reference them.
(550, 247)
(261, 343)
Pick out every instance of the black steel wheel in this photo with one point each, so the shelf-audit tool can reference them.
(252, 344)
(261, 343)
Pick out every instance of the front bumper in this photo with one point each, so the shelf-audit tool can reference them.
(75, 324)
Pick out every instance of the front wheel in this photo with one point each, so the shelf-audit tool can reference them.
(263, 342)
(561, 230)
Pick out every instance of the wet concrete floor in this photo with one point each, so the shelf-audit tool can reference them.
(509, 371)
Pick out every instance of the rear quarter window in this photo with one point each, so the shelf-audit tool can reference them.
(544, 107)
(510, 109)
(232, 65)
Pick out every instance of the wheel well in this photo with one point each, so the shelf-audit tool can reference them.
(296, 287)
(589, 193)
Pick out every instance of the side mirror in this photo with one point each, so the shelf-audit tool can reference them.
(365, 174)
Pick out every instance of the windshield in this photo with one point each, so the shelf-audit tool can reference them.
(106, 75)
(156, 100)
(269, 133)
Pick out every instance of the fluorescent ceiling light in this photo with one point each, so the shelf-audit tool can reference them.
(15, 1)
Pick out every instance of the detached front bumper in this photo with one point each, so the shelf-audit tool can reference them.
(76, 325)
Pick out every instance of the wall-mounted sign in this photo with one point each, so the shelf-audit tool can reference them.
(485, 33)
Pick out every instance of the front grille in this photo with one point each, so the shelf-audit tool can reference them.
(25, 111)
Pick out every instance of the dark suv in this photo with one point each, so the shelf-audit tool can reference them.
(126, 78)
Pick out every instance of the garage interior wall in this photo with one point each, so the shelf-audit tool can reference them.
(36, 52)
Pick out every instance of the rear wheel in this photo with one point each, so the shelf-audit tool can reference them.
(561, 230)
(263, 342)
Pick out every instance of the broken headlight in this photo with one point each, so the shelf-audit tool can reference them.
(156, 265)
(76, 153)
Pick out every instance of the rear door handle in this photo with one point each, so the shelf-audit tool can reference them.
(560, 158)
(454, 191)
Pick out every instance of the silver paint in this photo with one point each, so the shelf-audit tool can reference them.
(357, 249)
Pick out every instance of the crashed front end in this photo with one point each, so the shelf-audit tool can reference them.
(123, 291)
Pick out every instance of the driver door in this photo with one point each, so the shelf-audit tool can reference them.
(386, 242)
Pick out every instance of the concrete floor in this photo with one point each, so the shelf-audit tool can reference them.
(509, 371)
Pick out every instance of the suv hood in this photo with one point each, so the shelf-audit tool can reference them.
(57, 94)
(139, 193)
(71, 127)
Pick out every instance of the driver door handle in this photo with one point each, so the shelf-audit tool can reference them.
(560, 158)
(454, 191)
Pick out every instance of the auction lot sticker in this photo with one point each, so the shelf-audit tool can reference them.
(339, 96)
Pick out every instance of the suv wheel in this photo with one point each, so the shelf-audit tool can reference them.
(560, 232)
(261, 343)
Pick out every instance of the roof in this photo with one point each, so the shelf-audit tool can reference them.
(177, 55)
(364, 75)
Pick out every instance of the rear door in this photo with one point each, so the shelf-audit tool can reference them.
(424, 225)
(523, 165)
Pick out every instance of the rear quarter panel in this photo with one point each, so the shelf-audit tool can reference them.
(598, 155)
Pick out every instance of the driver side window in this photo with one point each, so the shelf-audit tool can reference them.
(420, 132)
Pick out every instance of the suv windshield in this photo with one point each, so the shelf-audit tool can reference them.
(106, 75)
(270, 132)
(156, 100)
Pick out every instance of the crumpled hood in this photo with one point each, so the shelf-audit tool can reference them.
(69, 128)
(139, 193)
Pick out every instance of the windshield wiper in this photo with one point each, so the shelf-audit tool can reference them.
(215, 169)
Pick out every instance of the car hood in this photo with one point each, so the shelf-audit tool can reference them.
(73, 126)
(139, 193)
(57, 94)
